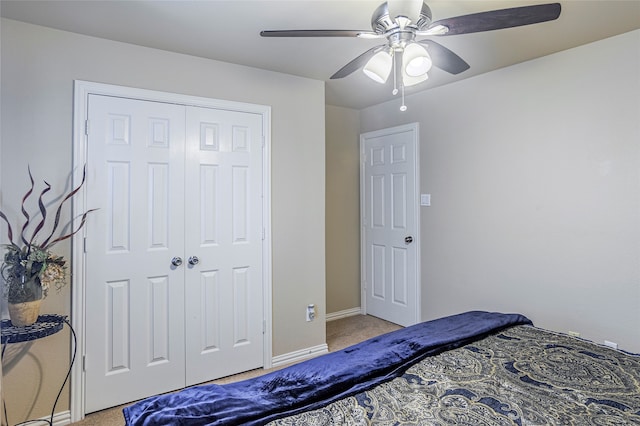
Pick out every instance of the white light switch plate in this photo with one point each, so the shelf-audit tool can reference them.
(425, 199)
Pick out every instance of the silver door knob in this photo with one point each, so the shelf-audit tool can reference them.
(176, 261)
(193, 260)
(408, 240)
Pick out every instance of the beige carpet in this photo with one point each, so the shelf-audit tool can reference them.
(340, 334)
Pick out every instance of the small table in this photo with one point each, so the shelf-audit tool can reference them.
(45, 325)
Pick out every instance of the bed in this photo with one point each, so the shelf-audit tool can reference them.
(475, 368)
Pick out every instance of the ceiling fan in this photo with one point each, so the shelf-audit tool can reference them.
(402, 21)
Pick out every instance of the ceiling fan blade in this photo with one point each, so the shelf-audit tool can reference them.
(444, 58)
(313, 33)
(499, 19)
(358, 62)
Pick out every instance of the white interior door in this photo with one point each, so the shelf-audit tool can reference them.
(171, 182)
(224, 229)
(390, 226)
(134, 296)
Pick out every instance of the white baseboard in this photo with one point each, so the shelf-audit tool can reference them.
(344, 314)
(300, 355)
(62, 419)
(59, 419)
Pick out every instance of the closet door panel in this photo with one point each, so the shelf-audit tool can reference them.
(223, 229)
(134, 295)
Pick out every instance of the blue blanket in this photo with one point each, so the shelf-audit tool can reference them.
(318, 381)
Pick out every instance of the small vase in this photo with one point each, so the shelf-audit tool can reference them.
(25, 297)
(25, 313)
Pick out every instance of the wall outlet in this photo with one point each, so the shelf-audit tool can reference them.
(311, 312)
(611, 344)
(573, 333)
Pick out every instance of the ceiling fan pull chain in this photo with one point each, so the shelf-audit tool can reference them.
(403, 107)
(395, 79)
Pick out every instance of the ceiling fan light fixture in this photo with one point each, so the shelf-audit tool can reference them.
(416, 60)
(379, 67)
(401, 21)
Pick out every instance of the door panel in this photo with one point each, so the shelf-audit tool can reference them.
(223, 228)
(134, 299)
(388, 185)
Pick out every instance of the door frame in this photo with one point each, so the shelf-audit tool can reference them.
(82, 90)
(414, 128)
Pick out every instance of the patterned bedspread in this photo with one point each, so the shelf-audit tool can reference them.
(521, 376)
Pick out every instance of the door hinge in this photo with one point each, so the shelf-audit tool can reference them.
(84, 244)
(264, 234)
(86, 127)
(264, 326)
(84, 363)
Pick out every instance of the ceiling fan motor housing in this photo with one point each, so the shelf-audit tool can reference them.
(382, 23)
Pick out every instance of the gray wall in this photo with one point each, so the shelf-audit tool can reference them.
(342, 209)
(534, 172)
(38, 69)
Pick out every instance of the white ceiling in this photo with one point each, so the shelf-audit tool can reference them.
(229, 31)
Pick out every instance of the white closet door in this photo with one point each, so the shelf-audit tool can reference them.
(224, 230)
(171, 182)
(134, 295)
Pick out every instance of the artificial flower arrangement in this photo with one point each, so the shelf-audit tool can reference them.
(29, 270)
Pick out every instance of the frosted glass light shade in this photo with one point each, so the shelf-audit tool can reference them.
(379, 67)
(416, 60)
(408, 80)
(407, 8)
